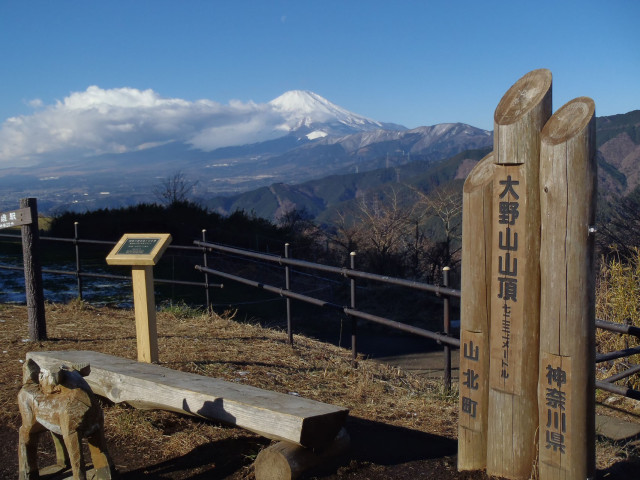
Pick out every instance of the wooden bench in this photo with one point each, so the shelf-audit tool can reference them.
(273, 415)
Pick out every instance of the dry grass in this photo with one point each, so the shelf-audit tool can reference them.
(221, 347)
(168, 445)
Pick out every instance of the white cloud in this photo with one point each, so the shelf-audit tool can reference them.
(35, 103)
(126, 119)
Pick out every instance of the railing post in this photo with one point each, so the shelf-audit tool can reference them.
(354, 320)
(287, 286)
(206, 275)
(447, 330)
(78, 269)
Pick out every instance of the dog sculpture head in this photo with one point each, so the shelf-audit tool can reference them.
(51, 380)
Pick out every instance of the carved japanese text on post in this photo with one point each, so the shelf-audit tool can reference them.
(555, 409)
(472, 377)
(507, 289)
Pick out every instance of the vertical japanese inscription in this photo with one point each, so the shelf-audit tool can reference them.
(508, 263)
(473, 380)
(555, 409)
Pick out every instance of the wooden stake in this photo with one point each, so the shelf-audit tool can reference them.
(515, 278)
(33, 273)
(475, 315)
(568, 179)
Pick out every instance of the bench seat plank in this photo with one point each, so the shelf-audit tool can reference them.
(143, 385)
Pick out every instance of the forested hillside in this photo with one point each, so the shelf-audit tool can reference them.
(617, 139)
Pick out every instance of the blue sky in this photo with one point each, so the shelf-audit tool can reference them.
(409, 62)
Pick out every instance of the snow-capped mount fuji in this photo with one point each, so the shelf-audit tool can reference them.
(296, 137)
(314, 116)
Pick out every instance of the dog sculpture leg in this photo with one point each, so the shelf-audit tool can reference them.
(28, 441)
(62, 458)
(28, 453)
(99, 457)
(73, 443)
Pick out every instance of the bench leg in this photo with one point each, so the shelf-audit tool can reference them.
(287, 461)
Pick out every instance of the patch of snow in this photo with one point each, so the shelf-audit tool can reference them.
(316, 134)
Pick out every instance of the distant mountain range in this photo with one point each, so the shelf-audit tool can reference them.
(313, 138)
(324, 197)
(317, 156)
(618, 155)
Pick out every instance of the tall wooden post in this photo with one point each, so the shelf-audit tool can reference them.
(567, 312)
(33, 273)
(515, 278)
(477, 227)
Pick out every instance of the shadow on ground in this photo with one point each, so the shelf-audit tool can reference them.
(213, 461)
(384, 444)
(373, 445)
(623, 470)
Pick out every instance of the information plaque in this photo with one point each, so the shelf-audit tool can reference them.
(138, 246)
(139, 249)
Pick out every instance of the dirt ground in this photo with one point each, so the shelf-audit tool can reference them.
(401, 426)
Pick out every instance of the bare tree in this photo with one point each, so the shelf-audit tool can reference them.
(343, 234)
(174, 189)
(385, 231)
(445, 204)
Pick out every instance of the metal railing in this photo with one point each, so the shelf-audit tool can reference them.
(608, 384)
(447, 293)
(203, 246)
(80, 274)
(444, 338)
(350, 310)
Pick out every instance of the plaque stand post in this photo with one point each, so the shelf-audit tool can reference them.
(145, 311)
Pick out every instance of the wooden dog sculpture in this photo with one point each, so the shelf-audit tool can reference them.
(62, 402)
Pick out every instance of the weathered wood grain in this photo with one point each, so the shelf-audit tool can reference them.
(475, 315)
(142, 385)
(568, 179)
(512, 416)
(520, 116)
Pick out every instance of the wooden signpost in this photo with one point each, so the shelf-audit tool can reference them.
(142, 252)
(515, 278)
(477, 208)
(27, 218)
(566, 399)
(525, 376)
